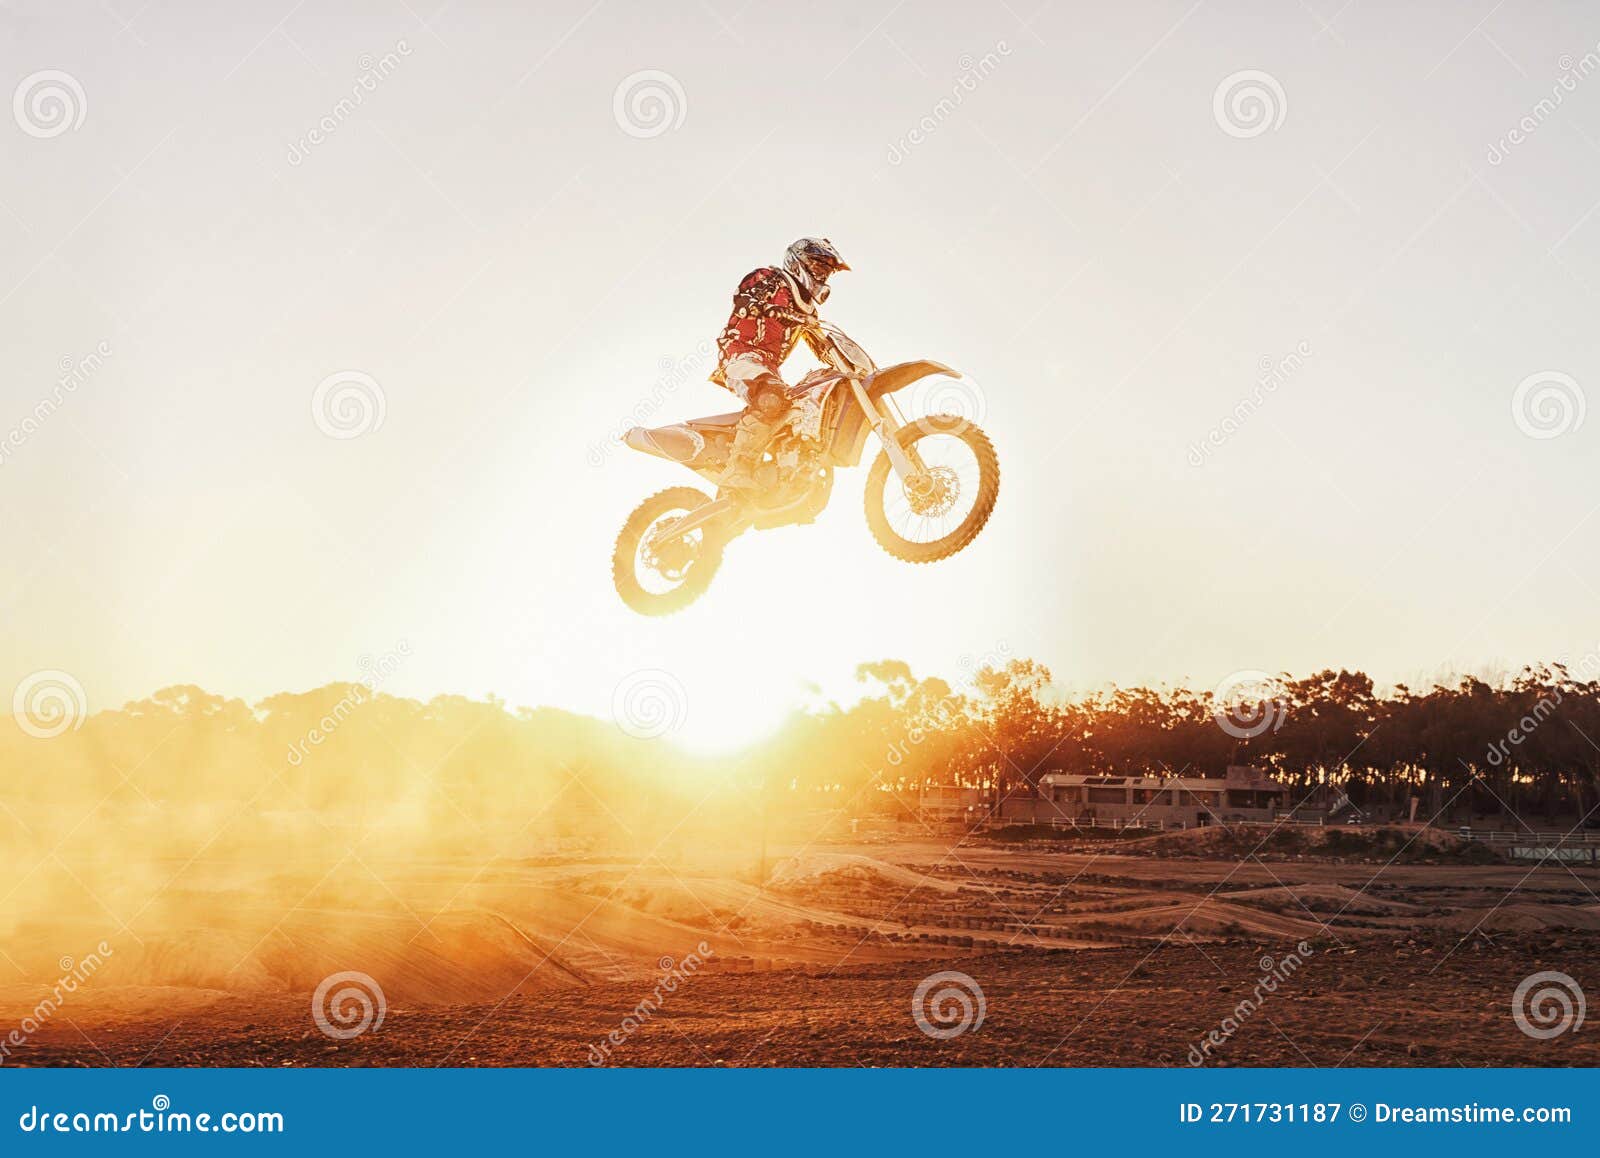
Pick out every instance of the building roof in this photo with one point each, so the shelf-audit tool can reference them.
(1238, 776)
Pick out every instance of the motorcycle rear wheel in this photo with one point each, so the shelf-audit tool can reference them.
(922, 506)
(631, 563)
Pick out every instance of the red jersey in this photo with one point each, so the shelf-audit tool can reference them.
(766, 320)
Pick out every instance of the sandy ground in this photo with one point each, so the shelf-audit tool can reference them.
(1386, 1005)
(1076, 956)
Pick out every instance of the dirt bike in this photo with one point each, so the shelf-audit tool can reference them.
(945, 477)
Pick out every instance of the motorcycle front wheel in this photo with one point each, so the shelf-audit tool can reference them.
(656, 572)
(947, 500)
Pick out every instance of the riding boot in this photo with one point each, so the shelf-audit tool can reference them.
(749, 440)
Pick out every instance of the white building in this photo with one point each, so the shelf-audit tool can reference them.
(1244, 793)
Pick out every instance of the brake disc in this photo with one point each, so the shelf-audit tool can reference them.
(933, 493)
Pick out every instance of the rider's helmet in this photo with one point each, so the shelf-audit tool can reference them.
(810, 261)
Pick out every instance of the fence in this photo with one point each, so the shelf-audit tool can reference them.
(1566, 847)
(1578, 847)
(1547, 839)
(1117, 824)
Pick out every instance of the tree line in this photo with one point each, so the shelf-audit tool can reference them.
(1528, 745)
(455, 768)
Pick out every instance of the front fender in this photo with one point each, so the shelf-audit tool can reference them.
(892, 378)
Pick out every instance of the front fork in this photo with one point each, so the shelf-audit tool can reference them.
(907, 463)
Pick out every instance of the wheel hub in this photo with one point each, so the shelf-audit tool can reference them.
(667, 554)
(934, 492)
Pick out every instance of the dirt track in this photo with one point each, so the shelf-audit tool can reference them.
(1375, 1006)
(1083, 957)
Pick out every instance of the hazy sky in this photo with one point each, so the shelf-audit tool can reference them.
(1063, 200)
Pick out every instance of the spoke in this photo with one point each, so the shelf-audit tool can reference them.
(956, 475)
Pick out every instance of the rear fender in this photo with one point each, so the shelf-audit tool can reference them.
(677, 444)
(704, 453)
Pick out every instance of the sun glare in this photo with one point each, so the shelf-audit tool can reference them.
(741, 716)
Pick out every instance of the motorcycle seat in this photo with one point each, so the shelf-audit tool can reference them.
(730, 420)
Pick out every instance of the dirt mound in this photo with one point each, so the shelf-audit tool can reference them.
(21, 1004)
(461, 957)
(1525, 916)
(1209, 916)
(836, 867)
(1049, 834)
(1322, 898)
(1377, 845)
(471, 956)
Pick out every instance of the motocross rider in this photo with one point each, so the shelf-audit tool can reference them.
(772, 309)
